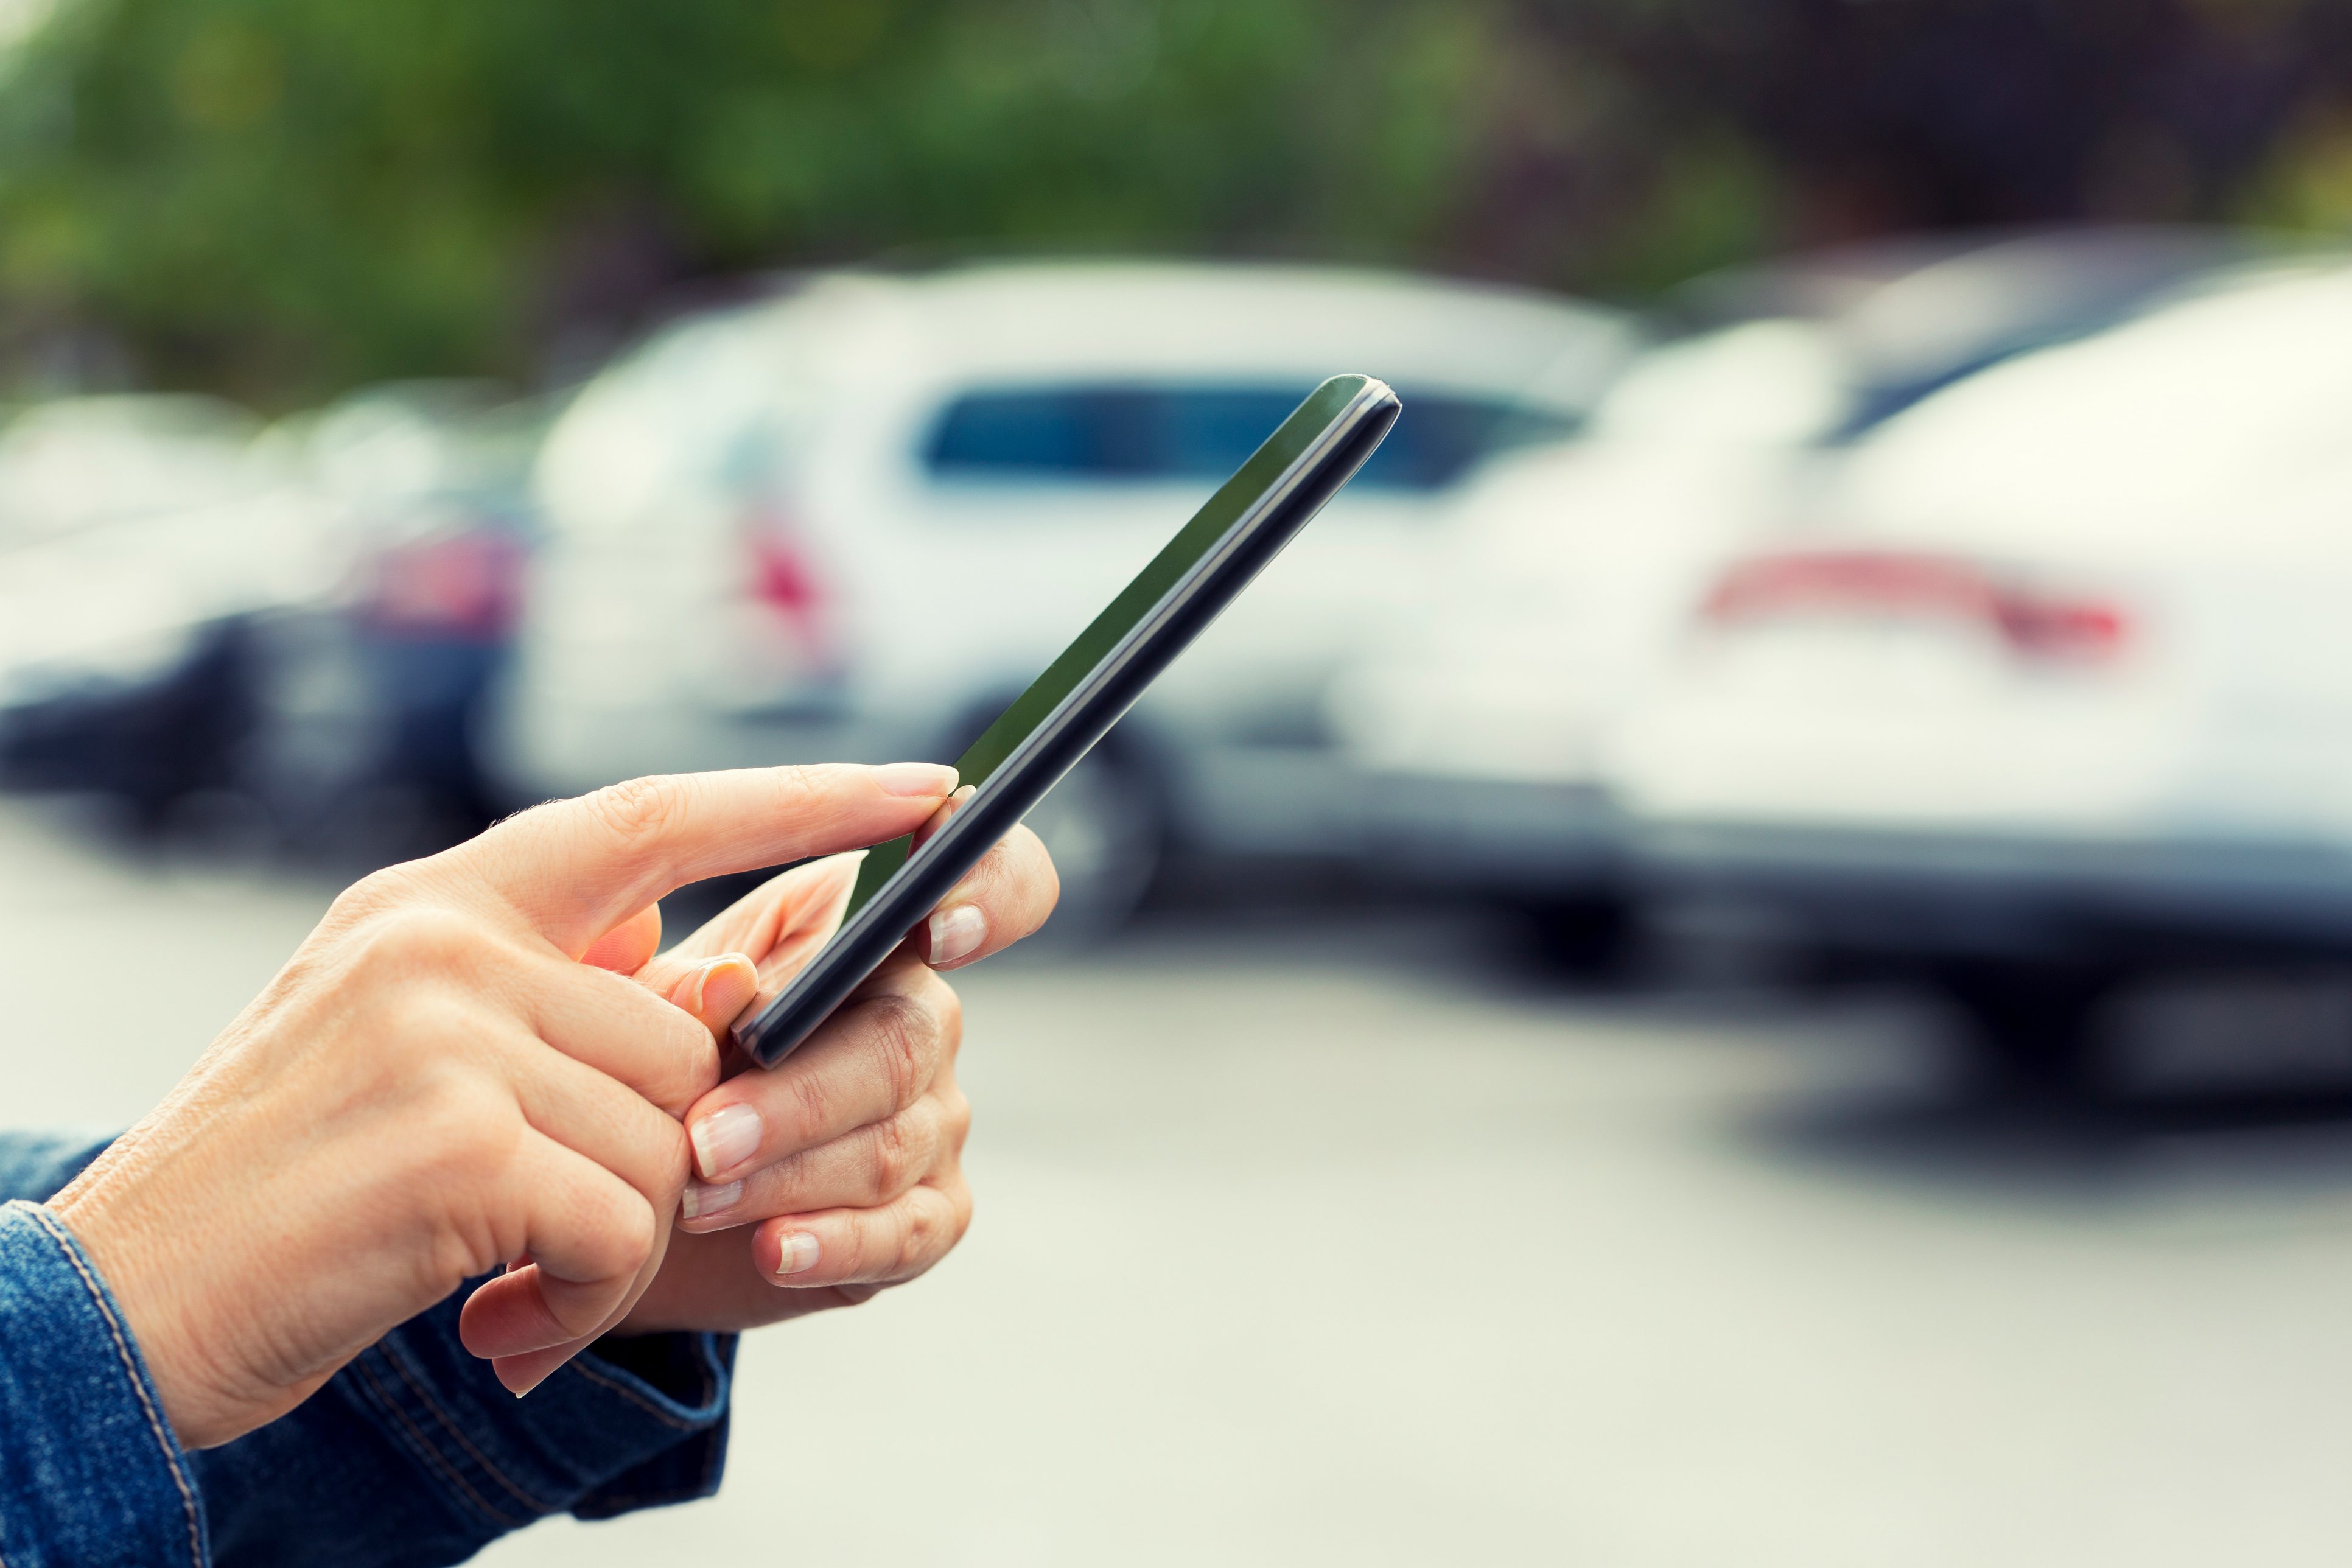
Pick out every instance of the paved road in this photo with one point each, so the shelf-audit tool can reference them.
(1341, 1244)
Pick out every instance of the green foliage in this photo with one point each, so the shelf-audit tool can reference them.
(278, 198)
(286, 196)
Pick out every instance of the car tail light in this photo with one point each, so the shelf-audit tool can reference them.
(2034, 623)
(786, 584)
(465, 583)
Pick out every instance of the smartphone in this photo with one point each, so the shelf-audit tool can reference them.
(1085, 691)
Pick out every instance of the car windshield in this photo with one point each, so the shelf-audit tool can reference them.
(1113, 433)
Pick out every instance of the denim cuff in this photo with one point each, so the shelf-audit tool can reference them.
(600, 1436)
(89, 1472)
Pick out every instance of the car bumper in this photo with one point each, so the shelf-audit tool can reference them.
(1501, 835)
(1938, 894)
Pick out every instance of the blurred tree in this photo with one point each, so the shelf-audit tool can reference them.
(281, 197)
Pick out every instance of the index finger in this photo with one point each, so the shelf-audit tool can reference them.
(574, 868)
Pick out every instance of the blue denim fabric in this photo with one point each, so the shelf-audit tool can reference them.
(412, 1455)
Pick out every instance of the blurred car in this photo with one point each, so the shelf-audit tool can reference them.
(139, 538)
(303, 616)
(425, 486)
(2059, 679)
(1483, 721)
(856, 520)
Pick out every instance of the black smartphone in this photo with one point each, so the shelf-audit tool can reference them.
(1086, 691)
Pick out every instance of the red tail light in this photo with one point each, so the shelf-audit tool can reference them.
(2033, 623)
(466, 584)
(784, 582)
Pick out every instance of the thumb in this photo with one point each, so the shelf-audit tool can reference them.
(574, 868)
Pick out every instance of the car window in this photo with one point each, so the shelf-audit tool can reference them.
(1112, 434)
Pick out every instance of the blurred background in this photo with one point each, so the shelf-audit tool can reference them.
(1744, 954)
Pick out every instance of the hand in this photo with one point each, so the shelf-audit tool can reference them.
(854, 1140)
(435, 1085)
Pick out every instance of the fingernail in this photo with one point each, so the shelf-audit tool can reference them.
(701, 1198)
(725, 1139)
(796, 1254)
(957, 933)
(718, 991)
(915, 778)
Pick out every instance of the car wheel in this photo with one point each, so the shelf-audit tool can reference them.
(1589, 938)
(2033, 1026)
(1104, 827)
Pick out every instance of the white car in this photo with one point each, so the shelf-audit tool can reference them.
(1483, 722)
(139, 537)
(2061, 677)
(854, 521)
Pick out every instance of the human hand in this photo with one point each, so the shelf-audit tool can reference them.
(434, 1086)
(854, 1140)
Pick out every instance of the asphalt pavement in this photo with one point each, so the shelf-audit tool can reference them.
(1333, 1237)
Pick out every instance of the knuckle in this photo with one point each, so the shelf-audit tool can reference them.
(698, 1064)
(905, 1033)
(635, 1231)
(375, 891)
(893, 1157)
(685, 1067)
(404, 939)
(675, 1157)
(810, 1101)
(465, 1139)
(637, 810)
(800, 788)
(955, 1119)
(946, 1008)
(919, 1243)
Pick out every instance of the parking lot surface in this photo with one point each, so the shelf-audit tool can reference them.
(1338, 1240)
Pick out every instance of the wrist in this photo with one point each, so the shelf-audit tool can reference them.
(125, 1266)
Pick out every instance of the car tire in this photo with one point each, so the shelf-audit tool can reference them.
(1589, 938)
(2034, 1027)
(1104, 826)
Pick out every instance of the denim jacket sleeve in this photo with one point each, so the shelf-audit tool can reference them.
(411, 1455)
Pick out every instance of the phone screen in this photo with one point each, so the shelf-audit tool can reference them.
(1288, 443)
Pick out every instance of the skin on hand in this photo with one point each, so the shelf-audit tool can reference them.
(436, 1085)
(849, 1177)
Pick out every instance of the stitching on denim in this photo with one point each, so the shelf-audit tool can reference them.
(668, 1417)
(49, 1222)
(399, 1365)
(433, 1456)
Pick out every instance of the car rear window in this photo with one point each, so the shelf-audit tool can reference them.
(1103, 434)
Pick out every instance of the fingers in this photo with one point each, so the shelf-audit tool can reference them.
(574, 868)
(1008, 895)
(864, 1169)
(592, 1116)
(715, 990)
(708, 1282)
(588, 1234)
(882, 1246)
(876, 1055)
(626, 948)
(780, 925)
(617, 1026)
